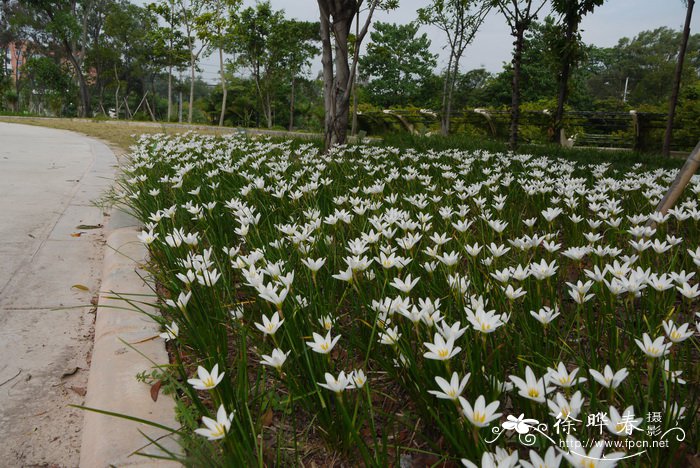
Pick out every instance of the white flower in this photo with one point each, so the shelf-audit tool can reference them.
(326, 322)
(344, 275)
(322, 345)
(207, 380)
(485, 322)
(147, 237)
(390, 336)
(531, 388)
(577, 456)
(171, 332)
(609, 379)
(500, 459)
(270, 326)
(560, 408)
(450, 390)
(275, 360)
(578, 291)
(623, 424)
(473, 250)
(440, 349)
(677, 334)
(270, 294)
(480, 415)
(543, 269)
(182, 301)
(513, 294)
(576, 253)
(405, 285)
(313, 265)
(551, 459)
(673, 376)
(562, 377)
(359, 378)
(339, 384)
(216, 429)
(545, 315)
(653, 349)
(688, 291)
(208, 278)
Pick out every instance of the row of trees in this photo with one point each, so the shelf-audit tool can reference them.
(460, 19)
(118, 48)
(135, 59)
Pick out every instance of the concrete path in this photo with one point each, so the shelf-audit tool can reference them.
(50, 269)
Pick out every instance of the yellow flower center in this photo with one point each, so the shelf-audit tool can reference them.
(479, 417)
(324, 346)
(443, 353)
(208, 382)
(533, 392)
(219, 431)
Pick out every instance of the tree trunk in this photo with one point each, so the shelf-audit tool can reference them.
(563, 92)
(223, 88)
(192, 67)
(666, 149)
(515, 90)
(170, 91)
(327, 62)
(268, 110)
(84, 92)
(450, 93)
(291, 107)
(444, 118)
(353, 128)
(179, 111)
(339, 129)
(338, 80)
(116, 93)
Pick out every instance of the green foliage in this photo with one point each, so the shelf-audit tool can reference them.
(263, 46)
(397, 63)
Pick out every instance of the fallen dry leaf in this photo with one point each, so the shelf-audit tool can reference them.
(267, 418)
(79, 390)
(155, 389)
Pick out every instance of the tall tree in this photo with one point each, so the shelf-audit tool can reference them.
(298, 55)
(397, 62)
(169, 42)
(666, 149)
(519, 15)
(258, 48)
(263, 44)
(63, 23)
(459, 20)
(200, 20)
(219, 31)
(338, 72)
(569, 49)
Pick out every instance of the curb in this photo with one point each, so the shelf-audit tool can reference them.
(112, 384)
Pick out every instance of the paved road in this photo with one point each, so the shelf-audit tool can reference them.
(48, 180)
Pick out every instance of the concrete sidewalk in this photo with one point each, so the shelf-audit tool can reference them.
(51, 251)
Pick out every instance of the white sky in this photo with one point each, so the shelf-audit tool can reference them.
(493, 44)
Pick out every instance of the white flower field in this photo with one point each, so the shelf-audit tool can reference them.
(375, 306)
